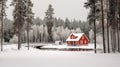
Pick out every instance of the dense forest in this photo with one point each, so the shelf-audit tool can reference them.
(106, 12)
(60, 30)
(102, 25)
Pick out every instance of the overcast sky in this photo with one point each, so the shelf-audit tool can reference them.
(72, 9)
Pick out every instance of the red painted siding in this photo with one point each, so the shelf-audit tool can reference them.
(82, 41)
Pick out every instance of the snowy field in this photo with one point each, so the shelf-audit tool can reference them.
(11, 57)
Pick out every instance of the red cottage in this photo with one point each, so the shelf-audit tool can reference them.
(77, 39)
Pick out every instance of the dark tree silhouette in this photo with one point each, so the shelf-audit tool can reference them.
(113, 23)
(49, 22)
(2, 15)
(19, 15)
(93, 16)
(102, 14)
(29, 17)
(108, 44)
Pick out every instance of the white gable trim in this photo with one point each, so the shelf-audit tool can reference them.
(79, 35)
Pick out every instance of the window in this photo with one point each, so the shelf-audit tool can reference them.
(85, 42)
(81, 42)
(76, 43)
(68, 42)
(72, 36)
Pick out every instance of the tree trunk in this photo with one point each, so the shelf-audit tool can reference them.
(117, 14)
(108, 37)
(2, 27)
(94, 30)
(95, 37)
(111, 39)
(118, 23)
(43, 33)
(19, 35)
(119, 28)
(107, 28)
(28, 35)
(19, 28)
(104, 46)
(50, 39)
(118, 35)
(28, 25)
(114, 40)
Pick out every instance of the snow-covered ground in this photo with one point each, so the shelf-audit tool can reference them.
(11, 57)
(35, 44)
(90, 46)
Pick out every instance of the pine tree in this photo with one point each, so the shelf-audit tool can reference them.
(19, 15)
(2, 15)
(102, 14)
(113, 23)
(118, 23)
(93, 15)
(49, 22)
(108, 45)
(29, 17)
(67, 23)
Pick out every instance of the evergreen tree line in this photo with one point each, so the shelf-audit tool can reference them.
(24, 28)
(2, 16)
(38, 30)
(22, 15)
(107, 13)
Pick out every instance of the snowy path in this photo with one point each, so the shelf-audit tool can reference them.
(38, 58)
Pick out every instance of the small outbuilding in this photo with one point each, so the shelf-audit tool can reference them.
(77, 39)
(58, 42)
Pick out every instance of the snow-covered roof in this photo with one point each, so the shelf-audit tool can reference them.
(78, 35)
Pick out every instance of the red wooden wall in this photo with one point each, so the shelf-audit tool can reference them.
(83, 41)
